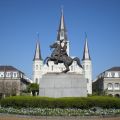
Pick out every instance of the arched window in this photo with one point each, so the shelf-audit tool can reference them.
(40, 67)
(36, 80)
(62, 33)
(36, 67)
(86, 67)
(52, 67)
(83, 67)
(87, 80)
(117, 86)
(110, 86)
(71, 68)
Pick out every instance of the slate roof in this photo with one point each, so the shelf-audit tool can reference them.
(86, 54)
(114, 69)
(8, 68)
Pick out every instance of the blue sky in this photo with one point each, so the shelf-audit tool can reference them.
(20, 20)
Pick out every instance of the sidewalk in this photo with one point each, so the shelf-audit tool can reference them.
(22, 117)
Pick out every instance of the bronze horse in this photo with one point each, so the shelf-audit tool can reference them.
(58, 57)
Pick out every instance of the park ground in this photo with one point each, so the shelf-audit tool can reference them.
(20, 117)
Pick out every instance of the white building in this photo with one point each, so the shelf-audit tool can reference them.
(39, 68)
(108, 82)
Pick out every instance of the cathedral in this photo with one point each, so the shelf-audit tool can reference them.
(39, 68)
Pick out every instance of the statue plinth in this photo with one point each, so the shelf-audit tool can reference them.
(63, 85)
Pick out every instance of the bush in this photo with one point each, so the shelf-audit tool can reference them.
(33, 87)
(44, 102)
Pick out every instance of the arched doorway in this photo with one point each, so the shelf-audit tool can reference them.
(117, 95)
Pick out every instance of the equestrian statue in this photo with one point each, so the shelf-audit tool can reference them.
(59, 55)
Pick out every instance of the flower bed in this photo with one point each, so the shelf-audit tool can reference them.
(59, 111)
(43, 106)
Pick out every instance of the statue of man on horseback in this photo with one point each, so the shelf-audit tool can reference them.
(59, 51)
(59, 55)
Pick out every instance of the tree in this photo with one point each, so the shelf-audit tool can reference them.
(34, 88)
(15, 88)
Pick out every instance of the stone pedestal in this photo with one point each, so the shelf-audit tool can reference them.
(63, 85)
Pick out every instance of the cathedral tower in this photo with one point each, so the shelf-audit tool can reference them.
(37, 64)
(62, 32)
(87, 66)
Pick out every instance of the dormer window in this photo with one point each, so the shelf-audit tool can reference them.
(1, 74)
(109, 74)
(8, 74)
(116, 74)
(14, 74)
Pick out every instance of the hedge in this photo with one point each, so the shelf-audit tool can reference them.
(70, 102)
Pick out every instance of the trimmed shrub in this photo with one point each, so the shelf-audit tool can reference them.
(68, 102)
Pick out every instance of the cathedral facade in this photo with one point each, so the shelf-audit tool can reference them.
(39, 68)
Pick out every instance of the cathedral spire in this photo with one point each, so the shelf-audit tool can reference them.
(86, 54)
(62, 29)
(37, 55)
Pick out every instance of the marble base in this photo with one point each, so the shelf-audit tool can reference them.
(63, 85)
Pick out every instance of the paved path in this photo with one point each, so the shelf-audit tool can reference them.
(21, 117)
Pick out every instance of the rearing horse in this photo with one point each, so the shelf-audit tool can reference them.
(66, 60)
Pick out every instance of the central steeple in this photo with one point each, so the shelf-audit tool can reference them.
(62, 29)
(62, 32)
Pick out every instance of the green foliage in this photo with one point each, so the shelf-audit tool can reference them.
(77, 102)
(33, 87)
